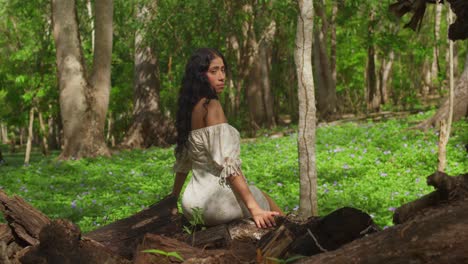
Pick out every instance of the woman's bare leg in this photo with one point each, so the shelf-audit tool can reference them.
(273, 205)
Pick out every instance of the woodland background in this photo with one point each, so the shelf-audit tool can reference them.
(88, 93)
(364, 61)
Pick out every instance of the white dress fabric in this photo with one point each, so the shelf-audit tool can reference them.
(213, 155)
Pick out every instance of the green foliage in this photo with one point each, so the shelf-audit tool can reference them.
(164, 253)
(374, 167)
(196, 221)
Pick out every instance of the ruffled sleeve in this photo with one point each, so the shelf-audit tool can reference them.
(224, 147)
(183, 162)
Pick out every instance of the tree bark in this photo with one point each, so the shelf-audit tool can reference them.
(326, 91)
(435, 52)
(30, 136)
(52, 133)
(268, 99)
(258, 90)
(83, 101)
(373, 97)
(45, 144)
(446, 125)
(333, 43)
(121, 239)
(150, 127)
(385, 76)
(4, 132)
(307, 111)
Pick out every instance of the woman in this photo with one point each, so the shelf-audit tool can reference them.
(210, 147)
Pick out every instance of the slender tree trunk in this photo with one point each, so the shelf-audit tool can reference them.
(435, 53)
(373, 98)
(234, 46)
(21, 136)
(326, 91)
(52, 133)
(13, 144)
(333, 43)
(45, 145)
(89, 7)
(4, 132)
(268, 100)
(30, 136)
(258, 88)
(446, 125)
(306, 136)
(426, 79)
(83, 102)
(150, 127)
(254, 95)
(385, 75)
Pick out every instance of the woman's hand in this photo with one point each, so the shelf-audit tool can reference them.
(262, 218)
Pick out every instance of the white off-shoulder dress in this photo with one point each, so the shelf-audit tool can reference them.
(213, 155)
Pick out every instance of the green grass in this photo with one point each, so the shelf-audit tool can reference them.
(371, 166)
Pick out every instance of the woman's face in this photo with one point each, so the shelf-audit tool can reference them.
(216, 75)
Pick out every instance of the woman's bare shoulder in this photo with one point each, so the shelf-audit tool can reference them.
(211, 109)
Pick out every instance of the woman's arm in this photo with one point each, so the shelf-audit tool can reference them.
(262, 218)
(178, 183)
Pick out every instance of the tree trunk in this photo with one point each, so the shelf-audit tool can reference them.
(150, 127)
(307, 119)
(89, 7)
(426, 79)
(333, 43)
(258, 90)
(45, 144)
(373, 97)
(83, 102)
(268, 99)
(326, 94)
(455, 50)
(385, 75)
(30, 136)
(326, 91)
(52, 133)
(4, 132)
(254, 95)
(435, 53)
(446, 125)
(460, 104)
(21, 136)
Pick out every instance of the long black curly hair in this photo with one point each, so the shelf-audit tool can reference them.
(195, 86)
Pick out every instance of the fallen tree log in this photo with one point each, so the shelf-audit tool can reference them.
(316, 235)
(438, 235)
(448, 189)
(432, 229)
(61, 243)
(435, 233)
(24, 220)
(185, 252)
(124, 235)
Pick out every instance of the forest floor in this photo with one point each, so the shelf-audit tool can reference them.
(372, 166)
